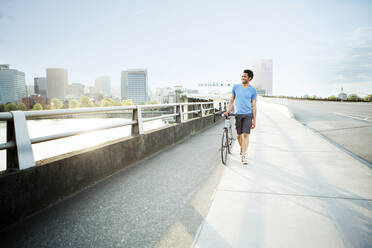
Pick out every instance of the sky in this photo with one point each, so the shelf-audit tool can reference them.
(316, 46)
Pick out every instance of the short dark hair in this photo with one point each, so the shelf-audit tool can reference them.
(249, 72)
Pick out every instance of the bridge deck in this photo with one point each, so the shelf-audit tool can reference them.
(297, 191)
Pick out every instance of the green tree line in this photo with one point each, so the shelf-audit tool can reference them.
(350, 97)
(82, 102)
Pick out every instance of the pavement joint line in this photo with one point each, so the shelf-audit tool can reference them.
(297, 195)
(353, 117)
(353, 155)
(343, 128)
(271, 149)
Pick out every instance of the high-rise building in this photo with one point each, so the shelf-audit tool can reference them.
(134, 85)
(12, 85)
(56, 82)
(30, 90)
(263, 76)
(40, 86)
(102, 86)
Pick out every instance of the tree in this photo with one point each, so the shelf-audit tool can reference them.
(313, 97)
(353, 97)
(2, 107)
(108, 102)
(10, 107)
(48, 107)
(127, 102)
(151, 102)
(37, 106)
(85, 102)
(73, 103)
(332, 98)
(56, 103)
(368, 98)
(21, 106)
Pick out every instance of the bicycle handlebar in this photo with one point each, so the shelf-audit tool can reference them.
(230, 114)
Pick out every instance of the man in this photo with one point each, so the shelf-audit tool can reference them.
(244, 96)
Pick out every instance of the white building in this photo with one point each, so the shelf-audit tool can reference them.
(134, 85)
(12, 85)
(102, 86)
(263, 76)
(215, 88)
(75, 91)
(57, 81)
(164, 95)
(170, 94)
(342, 95)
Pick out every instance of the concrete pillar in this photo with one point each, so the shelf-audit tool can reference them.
(20, 157)
(137, 128)
(179, 117)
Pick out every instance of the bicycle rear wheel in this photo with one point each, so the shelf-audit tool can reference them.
(224, 146)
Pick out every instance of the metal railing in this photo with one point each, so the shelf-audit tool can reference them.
(19, 145)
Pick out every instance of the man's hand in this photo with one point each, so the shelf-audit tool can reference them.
(253, 124)
(226, 114)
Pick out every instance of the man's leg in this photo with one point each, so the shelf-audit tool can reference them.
(246, 130)
(245, 143)
(238, 126)
(239, 137)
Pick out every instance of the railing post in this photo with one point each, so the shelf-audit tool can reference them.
(192, 108)
(202, 110)
(137, 128)
(179, 117)
(21, 157)
(214, 112)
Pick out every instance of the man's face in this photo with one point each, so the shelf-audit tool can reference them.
(245, 78)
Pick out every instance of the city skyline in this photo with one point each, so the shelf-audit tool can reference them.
(115, 91)
(317, 47)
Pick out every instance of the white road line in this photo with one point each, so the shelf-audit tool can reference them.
(353, 117)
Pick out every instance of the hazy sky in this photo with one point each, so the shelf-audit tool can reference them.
(316, 46)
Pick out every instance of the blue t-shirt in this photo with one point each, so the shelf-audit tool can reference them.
(243, 98)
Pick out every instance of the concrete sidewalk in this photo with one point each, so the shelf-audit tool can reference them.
(298, 190)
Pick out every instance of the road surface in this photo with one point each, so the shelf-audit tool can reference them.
(347, 124)
(159, 202)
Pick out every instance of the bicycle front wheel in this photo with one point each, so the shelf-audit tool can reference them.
(230, 140)
(224, 146)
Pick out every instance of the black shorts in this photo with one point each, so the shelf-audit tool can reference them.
(243, 123)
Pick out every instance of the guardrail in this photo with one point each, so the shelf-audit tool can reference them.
(18, 146)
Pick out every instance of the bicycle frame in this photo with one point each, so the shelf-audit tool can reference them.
(227, 139)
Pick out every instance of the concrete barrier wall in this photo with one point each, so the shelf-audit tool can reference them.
(279, 105)
(25, 192)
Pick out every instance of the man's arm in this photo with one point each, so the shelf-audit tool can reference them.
(254, 113)
(231, 104)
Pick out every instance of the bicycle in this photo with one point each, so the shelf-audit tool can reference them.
(227, 138)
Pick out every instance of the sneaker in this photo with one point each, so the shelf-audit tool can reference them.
(244, 160)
